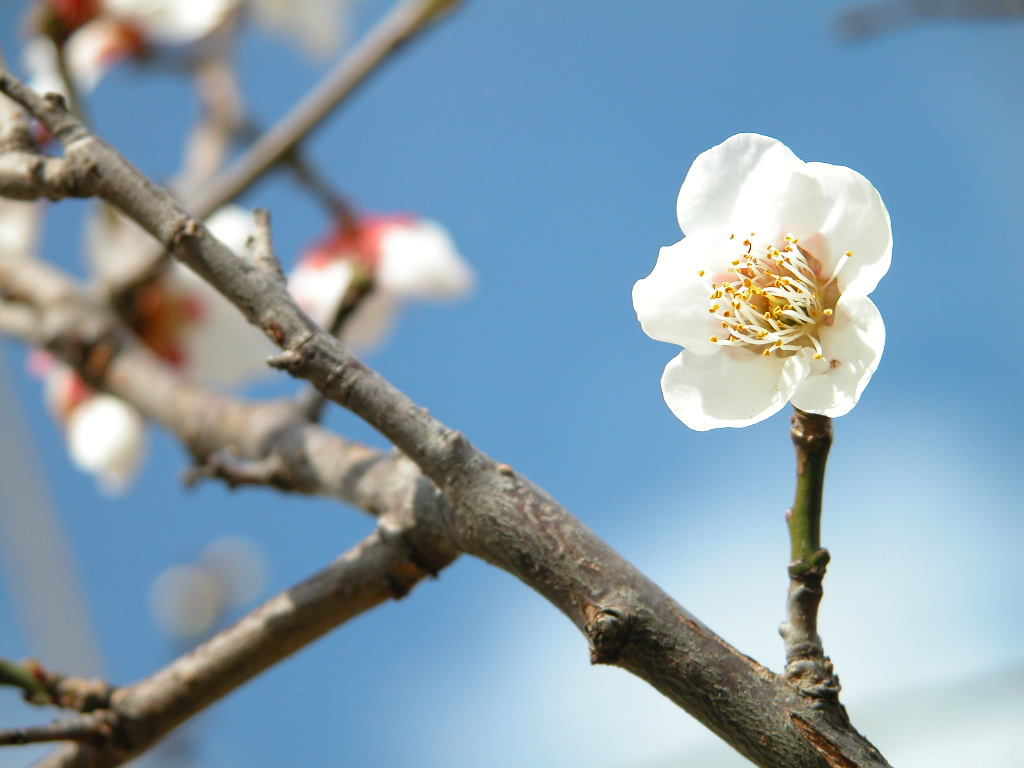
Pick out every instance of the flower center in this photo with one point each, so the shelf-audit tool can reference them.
(773, 300)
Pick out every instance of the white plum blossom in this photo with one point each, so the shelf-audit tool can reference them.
(180, 316)
(19, 227)
(768, 290)
(171, 22)
(406, 258)
(97, 34)
(105, 436)
(213, 342)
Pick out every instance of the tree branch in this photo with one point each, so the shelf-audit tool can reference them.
(386, 565)
(499, 515)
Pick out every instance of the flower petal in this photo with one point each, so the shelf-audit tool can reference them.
(372, 321)
(734, 388)
(672, 302)
(727, 183)
(419, 260)
(848, 212)
(106, 438)
(855, 340)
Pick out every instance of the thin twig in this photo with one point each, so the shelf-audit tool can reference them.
(806, 663)
(871, 20)
(312, 401)
(91, 728)
(42, 686)
(280, 142)
(403, 23)
(263, 246)
(386, 565)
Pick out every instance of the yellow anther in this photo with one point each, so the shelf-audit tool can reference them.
(766, 353)
(714, 339)
(731, 236)
(848, 253)
(713, 309)
(817, 356)
(736, 263)
(828, 312)
(701, 273)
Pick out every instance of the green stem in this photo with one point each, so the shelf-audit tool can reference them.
(23, 676)
(812, 438)
(807, 666)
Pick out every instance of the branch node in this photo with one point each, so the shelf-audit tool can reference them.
(273, 470)
(188, 229)
(262, 246)
(607, 630)
(289, 361)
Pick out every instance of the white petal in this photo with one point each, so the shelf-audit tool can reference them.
(173, 22)
(319, 289)
(319, 26)
(672, 302)
(106, 438)
(419, 260)
(855, 340)
(372, 322)
(735, 184)
(186, 600)
(221, 347)
(848, 212)
(19, 227)
(93, 49)
(233, 226)
(734, 388)
(40, 59)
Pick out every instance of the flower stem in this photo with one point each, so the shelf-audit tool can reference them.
(806, 663)
(812, 438)
(23, 676)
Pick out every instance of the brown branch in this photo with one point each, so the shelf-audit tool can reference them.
(877, 19)
(92, 728)
(216, 428)
(497, 514)
(386, 565)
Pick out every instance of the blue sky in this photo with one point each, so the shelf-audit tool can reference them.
(551, 139)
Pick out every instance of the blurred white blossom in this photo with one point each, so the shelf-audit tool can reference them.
(406, 258)
(320, 27)
(180, 316)
(97, 34)
(189, 600)
(19, 227)
(768, 290)
(106, 437)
